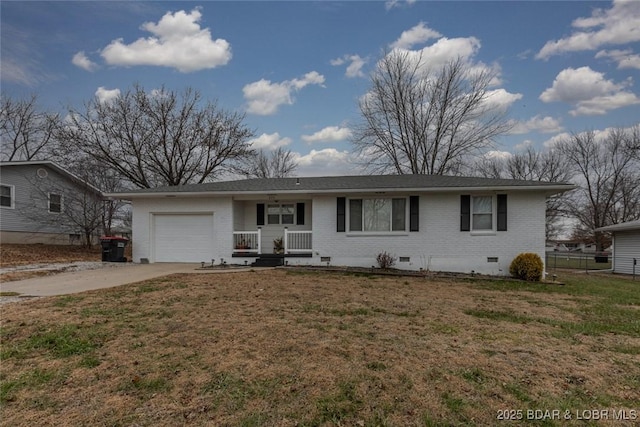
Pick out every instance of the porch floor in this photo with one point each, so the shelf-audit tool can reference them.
(254, 255)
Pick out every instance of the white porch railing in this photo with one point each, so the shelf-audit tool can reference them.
(247, 241)
(297, 241)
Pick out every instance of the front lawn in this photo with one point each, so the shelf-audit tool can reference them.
(279, 347)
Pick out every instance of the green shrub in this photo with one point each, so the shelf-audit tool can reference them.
(527, 266)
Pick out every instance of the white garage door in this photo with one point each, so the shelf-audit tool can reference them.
(183, 238)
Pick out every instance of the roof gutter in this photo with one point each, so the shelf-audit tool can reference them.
(549, 189)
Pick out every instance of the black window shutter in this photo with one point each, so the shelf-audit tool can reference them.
(260, 213)
(414, 213)
(300, 213)
(502, 212)
(465, 212)
(341, 216)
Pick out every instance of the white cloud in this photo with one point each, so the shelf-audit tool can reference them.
(602, 104)
(390, 4)
(354, 69)
(325, 162)
(523, 145)
(572, 85)
(545, 124)
(269, 141)
(599, 135)
(81, 60)
(589, 91)
(446, 50)
(615, 26)
(625, 58)
(177, 41)
(106, 95)
(21, 72)
(413, 36)
(551, 142)
(264, 97)
(329, 134)
(495, 154)
(20, 62)
(500, 99)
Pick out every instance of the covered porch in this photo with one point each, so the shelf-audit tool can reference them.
(249, 243)
(272, 227)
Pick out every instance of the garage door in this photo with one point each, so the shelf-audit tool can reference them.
(183, 238)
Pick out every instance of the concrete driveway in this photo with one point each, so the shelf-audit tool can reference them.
(79, 281)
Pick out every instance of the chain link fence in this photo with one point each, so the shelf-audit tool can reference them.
(589, 262)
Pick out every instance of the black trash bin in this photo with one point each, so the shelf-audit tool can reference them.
(602, 257)
(113, 248)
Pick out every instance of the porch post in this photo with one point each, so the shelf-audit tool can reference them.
(286, 240)
(259, 240)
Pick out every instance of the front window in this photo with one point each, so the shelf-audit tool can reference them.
(280, 213)
(377, 214)
(55, 203)
(6, 196)
(482, 213)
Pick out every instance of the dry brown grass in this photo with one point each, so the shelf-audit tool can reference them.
(278, 348)
(16, 254)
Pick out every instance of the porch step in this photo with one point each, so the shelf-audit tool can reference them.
(269, 260)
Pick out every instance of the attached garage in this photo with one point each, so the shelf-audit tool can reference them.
(626, 246)
(183, 237)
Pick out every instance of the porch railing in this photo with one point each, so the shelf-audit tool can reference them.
(247, 241)
(297, 241)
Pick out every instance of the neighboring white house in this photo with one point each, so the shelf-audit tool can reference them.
(436, 223)
(38, 202)
(626, 246)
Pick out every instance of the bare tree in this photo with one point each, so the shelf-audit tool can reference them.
(417, 120)
(280, 163)
(25, 131)
(158, 138)
(55, 205)
(608, 173)
(533, 165)
(99, 176)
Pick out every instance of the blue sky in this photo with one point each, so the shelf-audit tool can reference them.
(297, 69)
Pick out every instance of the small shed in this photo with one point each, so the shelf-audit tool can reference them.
(626, 246)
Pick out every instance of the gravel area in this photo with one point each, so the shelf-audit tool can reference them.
(60, 267)
(52, 268)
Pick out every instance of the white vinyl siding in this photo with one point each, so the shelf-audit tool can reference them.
(626, 247)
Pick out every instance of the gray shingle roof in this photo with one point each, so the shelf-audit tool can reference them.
(344, 183)
(55, 167)
(624, 226)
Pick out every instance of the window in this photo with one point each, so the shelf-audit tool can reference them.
(6, 196)
(482, 213)
(280, 213)
(377, 214)
(477, 213)
(55, 203)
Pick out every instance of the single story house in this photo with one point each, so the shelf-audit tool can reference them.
(626, 246)
(37, 199)
(436, 223)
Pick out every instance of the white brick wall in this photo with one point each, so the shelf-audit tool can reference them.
(143, 210)
(438, 246)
